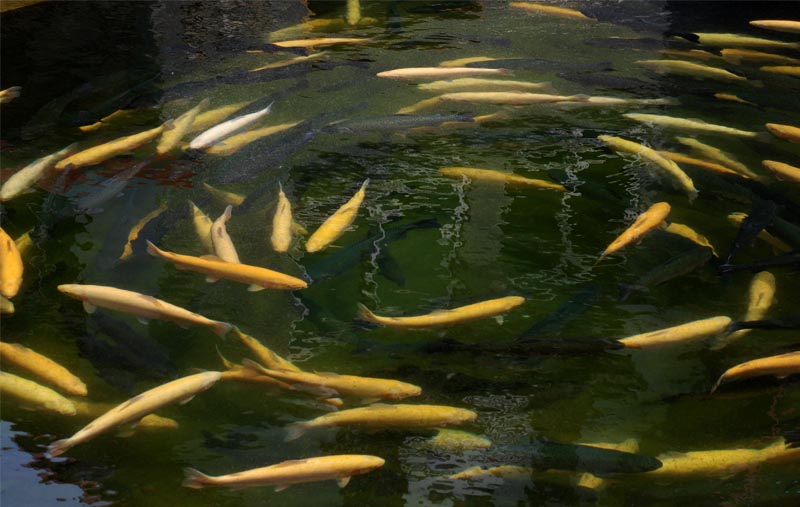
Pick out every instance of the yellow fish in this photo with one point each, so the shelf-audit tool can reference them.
(483, 85)
(321, 41)
(336, 224)
(733, 98)
(26, 177)
(789, 70)
(493, 176)
(735, 40)
(240, 373)
(111, 149)
(24, 243)
(737, 56)
(691, 125)
(423, 73)
(291, 61)
(705, 164)
(456, 441)
(460, 62)
(779, 25)
(691, 53)
(507, 472)
(512, 98)
(779, 366)
(783, 171)
(779, 245)
(223, 244)
(42, 367)
(10, 266)
(644, 223)
(10, 94)
(170, 139)
(106, 120)
(459, 315)
(281, 236)
(202, 225)
(236, 142)
(787, 132)
(127, 250)
(761, 295)
(591, 481)
(690, 234)
(181, 390)
(263, 354)
(149, 422)
(340, 468)
(223, 196)
(690, 69)
(713, 153)
(551, 10)
(34, 395)
(699, 329)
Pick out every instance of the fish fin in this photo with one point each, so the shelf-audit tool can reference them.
(89, 307)
(221, 328)
(296, 430)
(365, 314)
(343, 481)
(281, 487)
(153, 250)
(59, 447)
(255, 288)
(194, 479)
(186, 400)
(143, 320)
(211, 279)
(254, 366)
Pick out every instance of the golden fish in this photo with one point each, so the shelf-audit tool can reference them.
(208, 119)
(644, 223)
(671, 168)
(454, 441)
(127, 250)
(170, 139)
(381, 415)
(699, 329)
(691, 53)
(705, 164)
(236, 142)
(10, 266)
(106, 120)
(484, 85)
(181, 390)
(779, 245)
(239, 373)
(215, 269)
(321, 41)
(422, 73)
(10, 94)
(739, 55)
(263, 354)
(779, 25)
(761, 295)
(202, 225)
(223, 196)
(690, 234)
(789, 70)
(340, 467)
(43, 367)
(551, 10)
(460, 62)
(142, 306)
(224, 248)
(734, 40)
(512, 98)
(691, 69)
(336, 224)
(105, 151)
(787, 132)
(459, 315)
(618, 101)
(733, 98)
(316, 25)
(332, 384)
(149, 422)
(493, 176)
(779, 366)
(782, 170)
(508, 472)
(24, 243)
(281, 236)
(419, 106)
(353, 15)
(291, 61)
(34, 395)
(26, 177)
(684, 124)
(713, 153)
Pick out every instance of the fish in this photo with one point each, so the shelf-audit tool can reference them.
(591, 458)
(607, 80)
(291, 61)
(419, 106)
(789, 70)
(513, 98)
(10, 94)
(686, 124)
(785, 132)
(691, 331)
(118, 115)
(181, 390)
(760, 298)
(424, 73)
(783, 171)
(483, 85)
(236, 142)
(494, 176)
(591, 481)
(11, 267)
(6, 306)
(456, 441)
(620, 145)
(736, 56)
(227, 128)
(101, 153)
(283, 475)
(705, 164)
(784, 323)
(551, 10)
(316, 25)
(42, 367)
(230, 198)
(147, 423)
(691, 69)
(322, 41)
(644, 223)
(281, 237)
(439, 318)
(336, 225)
(202, 226)
(506, 472)
(780, 25)
(33, 395)
(460, 62)
(691, 53)
(541, 64)
(679, 265)
(619, 101)
(733, 98)
(761, 216)
(381, 415)
(24, 243)
(792, 259)
(142, 306)
(393, 123)
(127, 250)
(26, 177)
(716, 154)
(264, 355)
(170, 139)
(690, 234)
(242, 374)
(330, 385)
(112, 187)
(224, 248)
(568, 311)
(207, 119)
(214, 268)
(780, 366)
(733, 40)
(777, 244)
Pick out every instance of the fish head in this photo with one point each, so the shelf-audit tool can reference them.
(71, 289)
(368, 463)
(462, 415)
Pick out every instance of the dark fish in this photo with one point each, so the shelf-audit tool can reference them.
(792, 322)
(790, 259)
(546, 455)
(626, 42)
(570, 310)
(679, 265)
(393, 123)
(609, 81)
(390, 268)
(77, 114)
(541, 64)
(786, 230)
(761, 216)
(113, 186)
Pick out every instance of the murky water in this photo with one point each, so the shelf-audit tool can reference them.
(80, 61)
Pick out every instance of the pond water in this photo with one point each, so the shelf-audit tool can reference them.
(421, 241)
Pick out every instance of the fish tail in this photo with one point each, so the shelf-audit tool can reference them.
(153, 250)
(364, 185)
(195, 479)
(228, 211)
(719, 381)
(365, 314)
(59, 447)
(221, 328)
(296, 430)
(227, 364)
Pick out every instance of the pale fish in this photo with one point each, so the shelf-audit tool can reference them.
(127, 250)
(423, 73)
(789, 70)
(10, 94)
(223, 244)
(620, 145)
(142, 306)
(779, 366)
(26, 177)
(224, 196)
(732, 98)
(692, 331)
(170, 139)
(511, 98)
(760, 297)
(322, 41)
(33, 395)
(291, 61)
(506, 472)
(690, 234)
(181, 390)
(493, 176)
(381, 415)
(214, 268)
(236, 142)
(472, 84)
(456, 441)
(778, 244)
(690, 69)
(208, 119)
(111, 149)
(783, 171)
(281, 236)
(263, 354)
(697, 162)
(10, 266)
(618, 101)
(685, 124)
(353, 12)
(339, 468)
(149, 422)
(732, 40)
(551, 10)
(468, 313)
(786, 132)
(747, 55)
(779, 25)
(239, 373)
(460, 62)
(644, 223)
(335, 225)
(42, 367)
(202, 226)
(221, 131)
(713, 153)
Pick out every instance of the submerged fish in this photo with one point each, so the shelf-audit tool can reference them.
(454, 441)
(482, 310)
(339, 467)
(281, 237)
(687, 232)
(733, 98)
(146, 423)
(733, 40)
(43, 367)
(761, 216)
(10, 94)
(786, 132)
(607, 80)
(792, 259)
(747, 55)
(336, 225)
(264, 355)
(321, 41)
(26, 177)
(705, 164)
(423, 73)
(494, 176)
(779, 366)
(685, 124)
(6, 306)
(202, 226)
(697, 330)
(713, 153)
(760, 297)
(394, 123)
(644, 223)
(236, 142)
(483, 85)
(784, 323)
(224, 248)
(105, 151)
(546, 455)
(541, 64)
(111, 188)
(679, 265)
(783, 171)
(181, 126)
(691, 69)
(460, 62)
(225, 197)
(780, 25)
(511, 98)
(127, 250)
(551, 10)
(221, 131)
(33, 395)
(291, 61)
(789, 70)
(181, 390)
(11, 267)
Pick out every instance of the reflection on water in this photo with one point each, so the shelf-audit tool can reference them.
(547, 371)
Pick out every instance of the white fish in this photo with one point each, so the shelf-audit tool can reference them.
(223, 245)
(31, 173)
(225, 129)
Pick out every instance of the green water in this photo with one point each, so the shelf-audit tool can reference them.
(492, 242)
